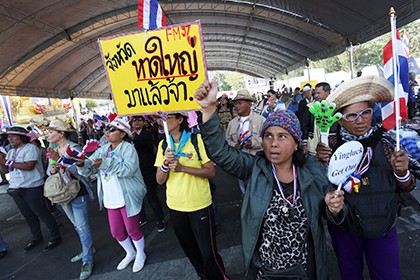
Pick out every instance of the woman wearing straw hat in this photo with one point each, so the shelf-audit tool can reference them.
(24, 164)
(121, 190)
(363, 218)
(283, 235)
(76, 210)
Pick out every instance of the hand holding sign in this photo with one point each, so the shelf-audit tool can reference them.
(324, 118)
(344, 163)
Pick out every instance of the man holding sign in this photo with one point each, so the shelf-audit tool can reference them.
(363, 216)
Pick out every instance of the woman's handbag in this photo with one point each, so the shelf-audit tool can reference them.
(57, 191)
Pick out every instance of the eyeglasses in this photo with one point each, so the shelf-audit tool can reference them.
(137, 119)
(111, 128)
(353, 116)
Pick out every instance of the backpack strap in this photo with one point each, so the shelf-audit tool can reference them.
(194, 141)
(164, 146)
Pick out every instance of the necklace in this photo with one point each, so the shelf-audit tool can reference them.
(292, 203)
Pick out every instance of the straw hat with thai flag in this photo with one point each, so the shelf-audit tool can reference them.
(366, 88)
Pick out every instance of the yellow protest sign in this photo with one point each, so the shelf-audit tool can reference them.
(311, 82)
(157, 70)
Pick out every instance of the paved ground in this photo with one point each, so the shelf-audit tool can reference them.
(165, 260)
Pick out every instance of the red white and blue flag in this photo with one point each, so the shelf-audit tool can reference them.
(406, 42)
(7, 109)
(150, 15)
(71, 156)
(402, 78)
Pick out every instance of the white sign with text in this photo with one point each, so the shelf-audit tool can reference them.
(344, 162)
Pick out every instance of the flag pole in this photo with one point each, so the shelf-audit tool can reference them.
(167, 135)
(393, 17)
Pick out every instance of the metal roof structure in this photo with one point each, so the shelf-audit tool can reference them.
(48, 48)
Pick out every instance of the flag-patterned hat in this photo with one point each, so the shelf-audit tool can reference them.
(121, 124)
(17, 130)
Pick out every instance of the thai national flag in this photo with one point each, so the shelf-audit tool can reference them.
(150, 15)
(37, 130)
(388, 108)
(7, 109)
(406, 42)
(71, 156)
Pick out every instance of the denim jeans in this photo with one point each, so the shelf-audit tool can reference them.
(77, 212)
(3, 246)
(31, 204)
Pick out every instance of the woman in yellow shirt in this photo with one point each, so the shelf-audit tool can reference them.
(188, 197)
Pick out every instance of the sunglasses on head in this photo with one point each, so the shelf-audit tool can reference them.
(111, 128)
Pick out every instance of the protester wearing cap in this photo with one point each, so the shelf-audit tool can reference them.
(322, 91)
(146, 149)
(305, 117)
(188, 196)
(243, 131)
(121, 190)
(363, 223)
(59, 132)
(23, 162)
(281, 190)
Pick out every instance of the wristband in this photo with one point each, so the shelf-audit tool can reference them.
(404, 178)
(9, 163)
(164, 168)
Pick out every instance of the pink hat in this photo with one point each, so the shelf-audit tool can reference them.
(32, 136)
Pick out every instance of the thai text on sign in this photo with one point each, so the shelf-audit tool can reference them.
(156, 70)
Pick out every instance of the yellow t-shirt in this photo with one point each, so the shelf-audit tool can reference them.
(185, 192)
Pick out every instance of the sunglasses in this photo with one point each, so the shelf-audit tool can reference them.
(137, 119)
(353, 116)
(111, 128)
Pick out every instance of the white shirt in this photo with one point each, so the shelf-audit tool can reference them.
(22, 178)
(113, 195)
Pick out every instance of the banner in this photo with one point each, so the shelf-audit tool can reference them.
(311, 82)
(150, 14)
(7, 110)
(400, 82)
(156, 70)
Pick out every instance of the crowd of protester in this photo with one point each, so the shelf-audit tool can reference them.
(273, 148)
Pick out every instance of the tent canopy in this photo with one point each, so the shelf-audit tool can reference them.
(49, 47)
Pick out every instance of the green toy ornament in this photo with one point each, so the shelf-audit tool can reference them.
(323, 113)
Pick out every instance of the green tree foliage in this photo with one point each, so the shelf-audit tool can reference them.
(235, 80)
(221, 81)
(369, 53)
(90, 103)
